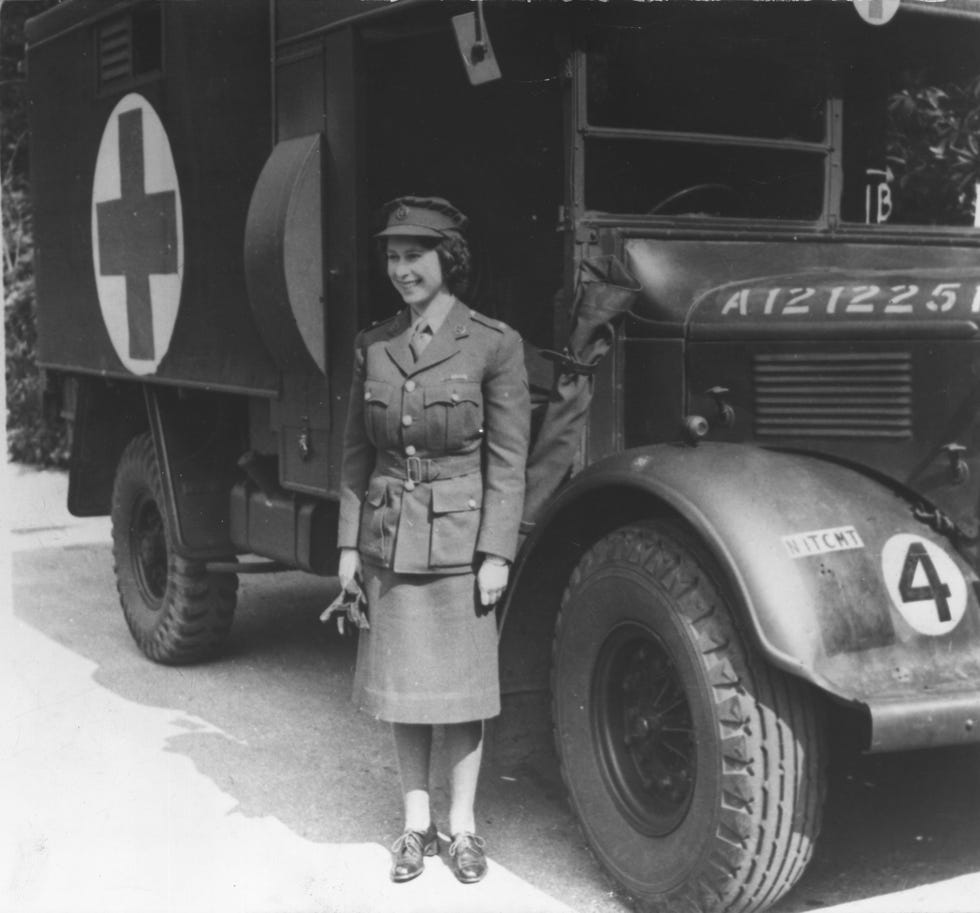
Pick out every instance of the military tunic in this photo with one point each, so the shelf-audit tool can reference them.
(432, 477)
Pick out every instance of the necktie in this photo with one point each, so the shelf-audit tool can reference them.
(420, 339)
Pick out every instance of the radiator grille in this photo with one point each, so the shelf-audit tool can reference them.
(115, 50)
(841, 394)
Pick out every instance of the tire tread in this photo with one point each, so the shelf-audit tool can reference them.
(198, 607)
(772, 782)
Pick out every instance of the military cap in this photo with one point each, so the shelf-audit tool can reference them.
(421, 217)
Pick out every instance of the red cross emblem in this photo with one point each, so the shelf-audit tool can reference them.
(137, 234)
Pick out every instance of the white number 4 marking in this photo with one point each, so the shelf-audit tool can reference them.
(925, 584)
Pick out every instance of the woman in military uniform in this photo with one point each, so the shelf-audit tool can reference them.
(432, 487)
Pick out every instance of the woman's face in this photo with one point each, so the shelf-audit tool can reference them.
(415, 271)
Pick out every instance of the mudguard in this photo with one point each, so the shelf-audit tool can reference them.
(840, 583)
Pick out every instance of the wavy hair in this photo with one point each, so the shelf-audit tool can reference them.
(454, 257)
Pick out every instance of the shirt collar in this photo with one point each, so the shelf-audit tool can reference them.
(435, 314)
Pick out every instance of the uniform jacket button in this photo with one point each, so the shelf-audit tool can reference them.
(471, 503)
(367, 394)
(409, 385)
(454, 397)
(410, 450)
(406, 420)
(409, 485)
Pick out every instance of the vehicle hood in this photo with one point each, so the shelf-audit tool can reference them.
(723, 290)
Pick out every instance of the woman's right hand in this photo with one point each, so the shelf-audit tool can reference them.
(350, 567)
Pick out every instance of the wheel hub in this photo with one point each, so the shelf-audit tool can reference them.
(148, 543)
(643, 727)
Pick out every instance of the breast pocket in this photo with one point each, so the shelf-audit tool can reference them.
(455, 521)
(453, 415)
(379, 421)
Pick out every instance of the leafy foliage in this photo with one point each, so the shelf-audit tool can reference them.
(934, 152)
(32, 435)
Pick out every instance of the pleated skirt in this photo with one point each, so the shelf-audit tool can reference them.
(430, 655)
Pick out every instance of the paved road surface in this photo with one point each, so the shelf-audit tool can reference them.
(249, 784)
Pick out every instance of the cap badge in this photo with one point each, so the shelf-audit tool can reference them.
(401, 213)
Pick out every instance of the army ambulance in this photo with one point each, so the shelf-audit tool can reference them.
(740, 242)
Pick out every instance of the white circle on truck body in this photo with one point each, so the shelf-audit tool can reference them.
(137, 234)
(924, 583)
(876, 12)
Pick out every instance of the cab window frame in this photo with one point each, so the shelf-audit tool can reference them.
(832, 150)
(588, 133)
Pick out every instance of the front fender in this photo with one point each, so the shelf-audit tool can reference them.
(838, 581)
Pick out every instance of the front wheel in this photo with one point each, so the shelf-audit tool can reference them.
(694, 768)
(177, 611)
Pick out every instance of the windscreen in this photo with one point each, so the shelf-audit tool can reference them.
(783, 111)
(711, 109)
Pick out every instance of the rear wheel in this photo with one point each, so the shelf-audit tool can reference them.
(695, 769)
(177, 611)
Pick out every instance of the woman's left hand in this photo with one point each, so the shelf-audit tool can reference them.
(492, 580)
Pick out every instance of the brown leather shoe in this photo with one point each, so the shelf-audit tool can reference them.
(409, 850)
(467, 858)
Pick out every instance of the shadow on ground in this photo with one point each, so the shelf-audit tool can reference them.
(894, 822)
(287, 743)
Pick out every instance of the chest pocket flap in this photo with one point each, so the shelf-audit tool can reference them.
(376, 391)
(453, 415)
(453, 392)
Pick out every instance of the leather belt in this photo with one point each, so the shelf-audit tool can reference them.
(419, 469)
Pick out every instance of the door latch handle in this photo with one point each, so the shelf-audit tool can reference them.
(958, 467)
(726, 412)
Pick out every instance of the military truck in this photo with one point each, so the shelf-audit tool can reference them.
(744, 236)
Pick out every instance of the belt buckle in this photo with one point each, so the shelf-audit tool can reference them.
(413, 469)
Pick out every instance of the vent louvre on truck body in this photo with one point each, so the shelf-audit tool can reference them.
(865, 395)
(115, 51)
(129, 48)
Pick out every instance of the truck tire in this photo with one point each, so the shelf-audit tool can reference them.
(177, 611)
(694, 768)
